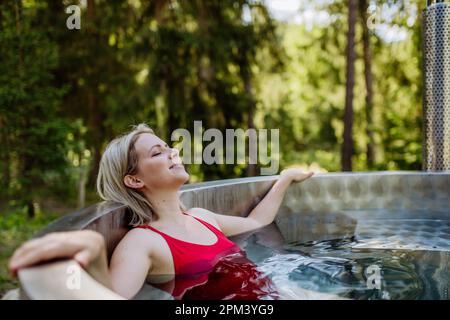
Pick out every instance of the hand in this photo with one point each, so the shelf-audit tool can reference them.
(85, 246)
(295, 174)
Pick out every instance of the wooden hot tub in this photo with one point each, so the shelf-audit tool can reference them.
(326, 206)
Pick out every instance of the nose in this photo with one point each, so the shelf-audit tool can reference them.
(173, 156)
(172, 152)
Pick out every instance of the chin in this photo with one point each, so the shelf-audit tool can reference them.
(186, 179)
(183, 177)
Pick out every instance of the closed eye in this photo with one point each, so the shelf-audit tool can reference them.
(159, 147)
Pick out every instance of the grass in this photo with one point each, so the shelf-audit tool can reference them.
(16, 228)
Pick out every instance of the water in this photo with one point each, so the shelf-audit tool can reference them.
(336, 269)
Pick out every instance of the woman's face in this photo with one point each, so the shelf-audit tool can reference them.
(159, 166)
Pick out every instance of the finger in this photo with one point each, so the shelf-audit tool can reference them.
(56, 245)
(27, 246)
(83, 258)
(43, 253)
(33, 244)
(25, 249)
(25, 259)
(12, 271)
(304, 176)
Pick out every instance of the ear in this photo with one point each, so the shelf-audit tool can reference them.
(133, 182)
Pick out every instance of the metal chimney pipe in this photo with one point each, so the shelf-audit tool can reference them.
(436, 101)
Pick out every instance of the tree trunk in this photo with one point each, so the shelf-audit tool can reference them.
(369, 84)
(251, 168)
(30, 209)
(82, 186)
(26, 162)
(94, 113)
(347, 147)
(246, 76)
(27, 178)
(158, 10)
(90, 10)
(5, 158)
(94, 125)
(174, 100)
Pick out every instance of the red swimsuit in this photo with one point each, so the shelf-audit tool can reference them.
(217, 271)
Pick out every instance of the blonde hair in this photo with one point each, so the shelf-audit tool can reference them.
(120, 159)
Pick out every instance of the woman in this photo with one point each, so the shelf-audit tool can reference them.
(169, 246)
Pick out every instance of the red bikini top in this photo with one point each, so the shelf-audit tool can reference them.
(191, 258)
(217, 271)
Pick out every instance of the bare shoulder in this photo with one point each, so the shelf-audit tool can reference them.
(138, 239)
(204, 214)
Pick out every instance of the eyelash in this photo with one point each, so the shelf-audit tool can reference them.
(156, 154)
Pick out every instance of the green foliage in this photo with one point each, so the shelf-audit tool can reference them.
(307, 100)
(65, 93)
(33, 133)
(15, 228)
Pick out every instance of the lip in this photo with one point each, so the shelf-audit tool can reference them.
(175, 166)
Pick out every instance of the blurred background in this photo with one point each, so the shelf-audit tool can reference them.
(340, 79)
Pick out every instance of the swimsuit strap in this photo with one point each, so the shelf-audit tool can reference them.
(216, 231)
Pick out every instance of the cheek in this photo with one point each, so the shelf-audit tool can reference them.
(154, 170)
(155, 173)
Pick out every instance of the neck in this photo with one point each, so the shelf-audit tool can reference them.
(166, 205)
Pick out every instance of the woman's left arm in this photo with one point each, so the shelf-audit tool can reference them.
(264, 213)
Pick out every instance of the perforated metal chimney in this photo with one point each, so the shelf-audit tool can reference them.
(436, 102)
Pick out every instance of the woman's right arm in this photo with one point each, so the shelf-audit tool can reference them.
(129, 265)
